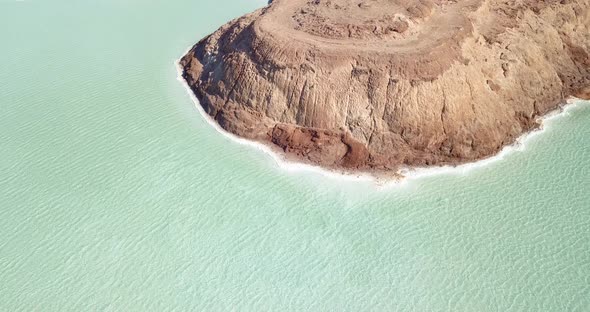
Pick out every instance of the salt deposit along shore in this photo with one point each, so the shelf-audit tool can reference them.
(404, 174)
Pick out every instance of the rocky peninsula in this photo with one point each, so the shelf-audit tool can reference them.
(377, 85)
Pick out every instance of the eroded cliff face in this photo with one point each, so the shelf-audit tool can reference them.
(378, 84)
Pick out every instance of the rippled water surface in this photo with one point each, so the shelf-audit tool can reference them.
(115, 194)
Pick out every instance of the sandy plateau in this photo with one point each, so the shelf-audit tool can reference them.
(379, 85)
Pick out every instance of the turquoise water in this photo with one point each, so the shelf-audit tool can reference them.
(116, 195)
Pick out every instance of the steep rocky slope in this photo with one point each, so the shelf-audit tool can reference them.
(377, 84)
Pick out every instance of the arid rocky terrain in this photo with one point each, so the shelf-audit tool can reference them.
(377, 85)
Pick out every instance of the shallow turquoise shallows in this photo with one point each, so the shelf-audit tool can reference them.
(116, 195)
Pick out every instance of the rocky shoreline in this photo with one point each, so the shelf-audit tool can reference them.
(381, 85)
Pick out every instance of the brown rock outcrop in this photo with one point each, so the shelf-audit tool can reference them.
(374, 85)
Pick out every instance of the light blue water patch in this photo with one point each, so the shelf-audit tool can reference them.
(116, 195)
